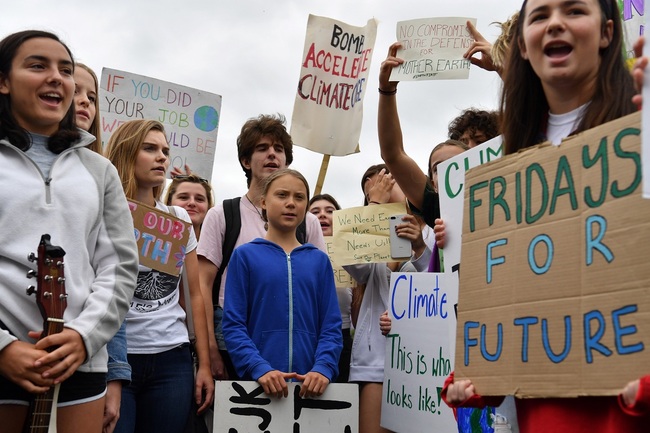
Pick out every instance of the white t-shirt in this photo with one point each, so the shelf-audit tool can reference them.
(561, 125)
(155, 321)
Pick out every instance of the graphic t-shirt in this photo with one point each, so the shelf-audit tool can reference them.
(156, 322)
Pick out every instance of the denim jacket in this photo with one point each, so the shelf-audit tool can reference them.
(118, 365)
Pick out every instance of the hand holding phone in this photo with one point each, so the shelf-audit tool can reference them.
(400, 248)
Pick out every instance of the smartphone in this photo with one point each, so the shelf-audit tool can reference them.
(400, 248)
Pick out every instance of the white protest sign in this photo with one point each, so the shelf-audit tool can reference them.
(451, 178)
(632, 15)
(190, 116)
(243, 407)
(451, 183)
(328, 109)
(433, 48)
(419, 352)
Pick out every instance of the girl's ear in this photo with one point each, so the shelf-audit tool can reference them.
(522, 48)
(263, 202)
(608, 34)
(4, 86)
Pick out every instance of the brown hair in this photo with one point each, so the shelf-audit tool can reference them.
(122, 149)
(256, 128)
(473, 120)
(9, 127)
(94, 129)
(454, 143)
(192, 178)
(524, 105)
(325, 197)
(278, 174)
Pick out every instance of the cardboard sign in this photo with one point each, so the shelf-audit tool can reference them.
(243, 407)
(342, 279)
(433, 49)
(418, 361)
(328, 109)
(161, 238)
(190, 116)
(362, 234)
(555, 283)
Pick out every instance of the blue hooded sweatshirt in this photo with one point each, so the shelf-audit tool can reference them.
(281, 311)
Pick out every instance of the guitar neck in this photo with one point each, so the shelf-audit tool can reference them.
(41, 407)
(52, 326)
(51, 301)
(41, 412)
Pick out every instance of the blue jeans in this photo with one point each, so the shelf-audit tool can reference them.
(159, 398)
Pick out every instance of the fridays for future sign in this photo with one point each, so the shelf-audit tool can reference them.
(555, 286)
(190, 116)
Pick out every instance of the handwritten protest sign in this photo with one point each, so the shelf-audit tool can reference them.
(190, 116)
(328, 110)
(633, 24)
(433, 49)
(555, 285)
(627, 10)
(243, 407)
(362, 234)
(161, 238)
(451, 178)
(342, 279)
(419, 352)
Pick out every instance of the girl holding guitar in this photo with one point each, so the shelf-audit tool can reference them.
(51, 183)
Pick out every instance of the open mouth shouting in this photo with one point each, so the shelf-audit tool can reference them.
(52, 98)
(558, 50)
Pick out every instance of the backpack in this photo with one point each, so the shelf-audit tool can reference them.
(233, 227)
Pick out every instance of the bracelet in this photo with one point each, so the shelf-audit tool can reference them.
(387, 92)
(373, 202)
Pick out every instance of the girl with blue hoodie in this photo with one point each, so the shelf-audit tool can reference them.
(281, 319)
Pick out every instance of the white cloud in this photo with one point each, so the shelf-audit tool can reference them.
(249, 51)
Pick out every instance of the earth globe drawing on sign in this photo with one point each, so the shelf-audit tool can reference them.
(206, 118)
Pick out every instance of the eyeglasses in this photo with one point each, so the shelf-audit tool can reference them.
(191, 178)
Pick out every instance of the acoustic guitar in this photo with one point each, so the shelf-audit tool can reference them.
(51, 299)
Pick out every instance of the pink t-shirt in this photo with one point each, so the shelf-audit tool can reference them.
(252, 226)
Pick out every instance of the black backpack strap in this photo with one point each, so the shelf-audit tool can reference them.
(301, 231)
(233, 227)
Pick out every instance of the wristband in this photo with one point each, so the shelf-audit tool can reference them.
(387, 92)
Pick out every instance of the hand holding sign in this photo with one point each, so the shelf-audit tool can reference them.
(480, 46)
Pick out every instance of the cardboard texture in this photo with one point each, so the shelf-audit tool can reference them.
(161, 238)
(554, 294)
(362, 234)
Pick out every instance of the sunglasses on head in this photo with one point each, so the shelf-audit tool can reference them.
(191, 178)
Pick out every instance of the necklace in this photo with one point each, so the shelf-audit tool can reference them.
(266, 224)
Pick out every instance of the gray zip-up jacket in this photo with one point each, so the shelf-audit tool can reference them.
(83, 208)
